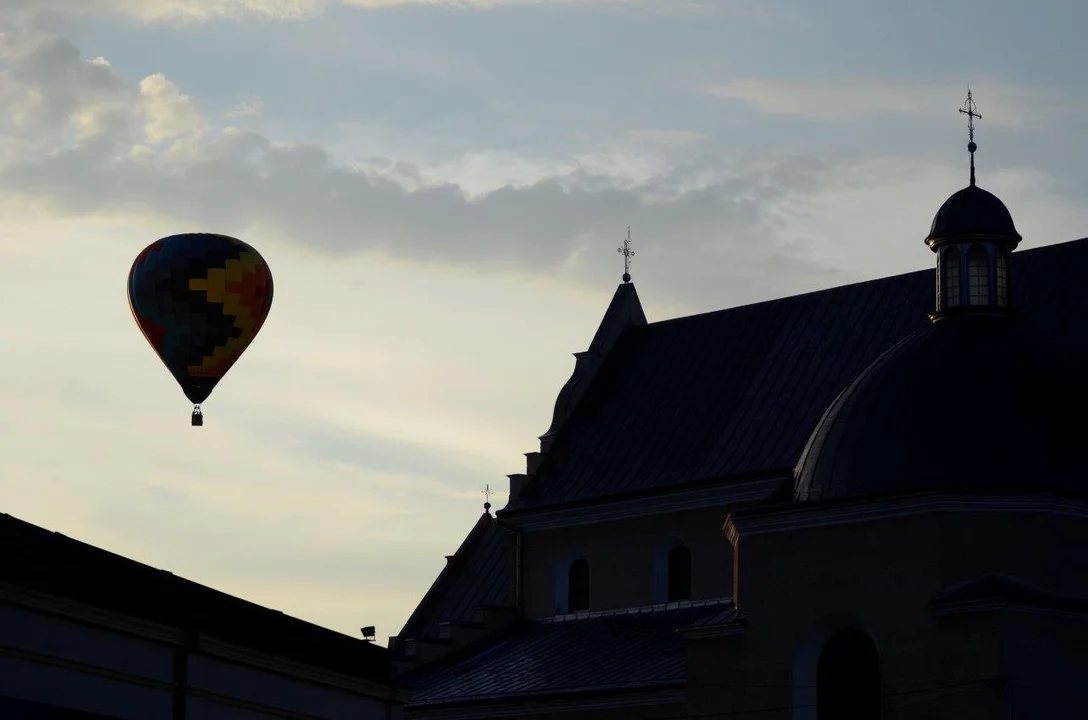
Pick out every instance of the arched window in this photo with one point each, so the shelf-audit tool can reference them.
(978, 276)
(578, 586)
(848, 678)
(1002, 276)
(679, 574)
(950, 274)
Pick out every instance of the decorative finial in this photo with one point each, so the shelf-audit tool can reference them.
(487, 497)
(627, 253)
(971, 111)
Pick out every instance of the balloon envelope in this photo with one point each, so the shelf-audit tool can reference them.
(200, 299)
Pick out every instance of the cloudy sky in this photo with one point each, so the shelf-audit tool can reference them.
(439, 187)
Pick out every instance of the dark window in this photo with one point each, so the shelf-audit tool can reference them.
(679, 574)
(1002, 274)
(978, 276)
(848, 678)
(578, 586)
(950, 269)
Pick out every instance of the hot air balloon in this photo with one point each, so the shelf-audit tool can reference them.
(200, 299)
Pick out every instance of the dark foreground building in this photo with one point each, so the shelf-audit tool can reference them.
(89, 635)
(866, 502)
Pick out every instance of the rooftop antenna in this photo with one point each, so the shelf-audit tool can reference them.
(971, 111)
(487, 497)
(627, 253)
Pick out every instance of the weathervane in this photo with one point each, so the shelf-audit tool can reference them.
(971, 111)
(487, 497)
(627, 253)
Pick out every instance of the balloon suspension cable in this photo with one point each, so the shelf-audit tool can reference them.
(198, 417)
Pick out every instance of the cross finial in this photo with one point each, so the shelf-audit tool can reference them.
(971, 111)
(627, 253)
(487, 497)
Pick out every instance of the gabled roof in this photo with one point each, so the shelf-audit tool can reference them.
(631, 649)
(36, 559)
(479, 574)
(747, 385)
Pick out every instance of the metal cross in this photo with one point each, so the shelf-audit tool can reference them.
(971, 111)
(487, 492)
(627, 253)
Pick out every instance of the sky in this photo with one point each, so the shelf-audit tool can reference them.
(440, 188)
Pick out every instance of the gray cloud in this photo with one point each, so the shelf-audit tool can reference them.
(707, 224)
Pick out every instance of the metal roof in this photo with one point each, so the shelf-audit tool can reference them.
(637, 648)
(737, 392)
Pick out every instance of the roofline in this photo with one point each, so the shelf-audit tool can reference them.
(631, 695)
(730, 485)
(453, 563)
(788, 517)
(654, 608)
(839, 287)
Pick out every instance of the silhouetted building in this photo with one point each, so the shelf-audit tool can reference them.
(89, 635)
(865, 502)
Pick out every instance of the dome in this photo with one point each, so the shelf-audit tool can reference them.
(966, 404)
(970, 213)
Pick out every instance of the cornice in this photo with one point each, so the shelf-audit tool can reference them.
(536, 705)
(724, 493)
(90, 615)
(962, 607)
(85, 668)
(730, 629)
(801, 517)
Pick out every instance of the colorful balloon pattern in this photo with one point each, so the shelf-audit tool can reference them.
(200, 300)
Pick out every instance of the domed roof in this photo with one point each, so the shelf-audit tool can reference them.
(967, 403)
(973, 212)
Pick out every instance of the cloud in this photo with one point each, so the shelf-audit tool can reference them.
(705, 221)
(19, 11)
(1005, 105)
(196, 11)
(168, 114)
(240, 181)
(250, 107)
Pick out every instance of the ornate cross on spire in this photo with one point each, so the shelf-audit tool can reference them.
(627, 253)
(487, 496)
(971, 111)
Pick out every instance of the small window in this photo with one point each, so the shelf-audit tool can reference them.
(679, 574)
(950, 271)
(578, 586)
(1002, 274)
(978, 276)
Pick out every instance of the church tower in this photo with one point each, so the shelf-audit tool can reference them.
(973, 235)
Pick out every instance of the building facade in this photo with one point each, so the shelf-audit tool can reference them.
(89, 635)
(854, 503)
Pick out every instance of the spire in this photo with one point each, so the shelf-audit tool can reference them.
(973, 235)
(627, 253)
(971, 111)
